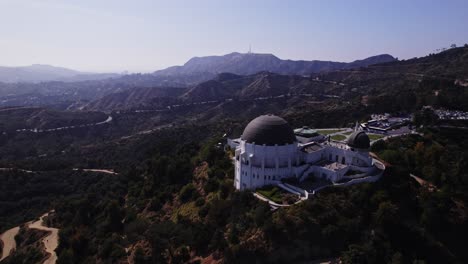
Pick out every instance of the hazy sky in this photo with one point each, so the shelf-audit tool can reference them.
(98, 35)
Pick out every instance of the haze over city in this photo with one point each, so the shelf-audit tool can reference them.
(144, 36)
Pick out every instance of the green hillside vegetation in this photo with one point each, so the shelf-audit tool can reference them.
(178, 201)
(452, 63)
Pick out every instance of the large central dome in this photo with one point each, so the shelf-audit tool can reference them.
(268, 130)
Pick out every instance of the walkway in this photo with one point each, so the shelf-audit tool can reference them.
(50, 241)
(430, 187)
(7, 239)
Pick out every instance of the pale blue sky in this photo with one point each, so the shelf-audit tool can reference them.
(112, 35)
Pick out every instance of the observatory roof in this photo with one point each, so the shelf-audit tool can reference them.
(268, 130)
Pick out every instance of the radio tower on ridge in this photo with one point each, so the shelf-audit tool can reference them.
(250, 49)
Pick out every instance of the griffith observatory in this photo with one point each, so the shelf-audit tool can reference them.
(269, 151)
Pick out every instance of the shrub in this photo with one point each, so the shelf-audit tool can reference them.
(200, 202)
(187, 192)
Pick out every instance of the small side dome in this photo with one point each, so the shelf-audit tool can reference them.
(268, 130)
(359, 140)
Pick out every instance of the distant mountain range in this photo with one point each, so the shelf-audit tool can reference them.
(388, 79)
(196, 70)
(43, 73)
(251, 63)
(224, 86)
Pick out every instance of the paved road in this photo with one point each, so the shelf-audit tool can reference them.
(11, 169)
(35, 130)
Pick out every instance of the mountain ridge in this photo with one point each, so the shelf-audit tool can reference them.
(251, 63)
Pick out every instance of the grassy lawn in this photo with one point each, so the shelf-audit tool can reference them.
(273, 193)
(375, 136)
(338, 137)
(329, 131)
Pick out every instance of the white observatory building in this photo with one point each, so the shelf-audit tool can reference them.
(268, 152)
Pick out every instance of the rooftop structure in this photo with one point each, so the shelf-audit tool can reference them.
(305, 131)
(306, 135)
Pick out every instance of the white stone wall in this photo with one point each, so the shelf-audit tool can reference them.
(315, 156)
(270, 156)
(259, 165)
(347, 156)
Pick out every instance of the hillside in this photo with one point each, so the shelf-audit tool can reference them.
(224, 86)
(76, 94)
(144, 97)
(262, 84)
(452, 63)
(173, 193)
(251, 63)
(437, 79)
(12, 119)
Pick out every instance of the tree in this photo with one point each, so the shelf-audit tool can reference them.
(188, 192)
(387, 213)
(66, 257)
(113, 216)
(139, 256)
(397, 258)
(355, 254)
(426, 117)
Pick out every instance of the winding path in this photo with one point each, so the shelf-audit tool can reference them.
(8, 241)
(107, 171)
(50, 241)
